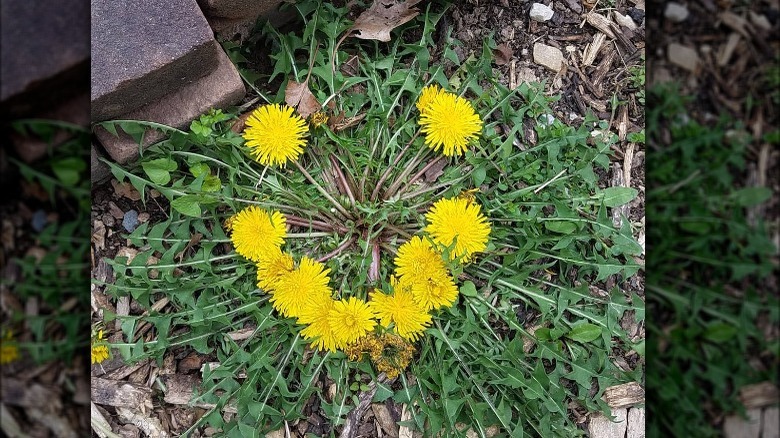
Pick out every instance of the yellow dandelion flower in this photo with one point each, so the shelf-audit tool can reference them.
(400, 308)
(257, 233)
(275, 135)
(438, 290)
(416, 259)
(460, 221)
(315, 313)
(99, 348)
(350, 320)
(318, 119)
(9, 351)
(427, 97)
(294, 289)
(449, 122)
(227, 225)
(272, 267)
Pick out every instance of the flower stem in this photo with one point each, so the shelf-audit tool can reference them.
(421, 155)
(344, 245)
(373, 270)
(421, 173)
(324, 192)
(344, 182)
(390, 168)
(314, 224)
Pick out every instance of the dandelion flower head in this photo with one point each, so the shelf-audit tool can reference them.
(460, 221)
(427, 96)
(315, 313)
(293, 290)
(99, 348)
(257, 233)
(416, 259)
(449, 122)
(272, 267)
(350, 320)
(275, 135)
(410, 318)
(9, 351)
(438, 290)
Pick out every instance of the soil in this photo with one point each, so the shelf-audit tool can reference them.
(582, 87)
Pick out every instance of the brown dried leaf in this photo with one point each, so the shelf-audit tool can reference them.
(297, 94)
(125, 189)
(383, 16)
(502, 54)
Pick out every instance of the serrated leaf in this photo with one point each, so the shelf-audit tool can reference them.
(159, 170)
(468, 289)
(617, 196)
(750, 196)
(585, 332)
(187, 205)
(563, 227)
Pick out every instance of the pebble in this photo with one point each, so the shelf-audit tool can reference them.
(39, 220)
(683, 56)
(624, 20)
(108, 220)
(636, 14)
(130, 221)
(541, 13)
(676, 12)
(548, 56)
(547, 119)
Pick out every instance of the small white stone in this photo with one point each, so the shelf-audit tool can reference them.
(573, 117)
(548, 56)
(676, 12)
(683, 56)
(760, 20)
(547, 119)
(624, 20)
(540, 12)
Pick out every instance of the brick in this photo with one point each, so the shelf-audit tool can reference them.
(145, 49)
(220, 89)
(238, 8)
(44, 55)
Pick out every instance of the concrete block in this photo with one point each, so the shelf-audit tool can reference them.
(220, 89)
(44, 55)
(238, 8)
(145, 49)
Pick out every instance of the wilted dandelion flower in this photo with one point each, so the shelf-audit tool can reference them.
(273, 267)
(389, 353)
(410, 318)
(350, 319)
(315, 314)
(318, 119)
(292, 290)
(427, 97)
(9, 351)
(257, 233)
(416, 259)
(275, 135)
(438, 290)
(449, 122)
(460, 221)
(99, 348)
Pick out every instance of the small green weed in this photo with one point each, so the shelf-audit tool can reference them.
(478, 364)
(701, 243)
(60, 277)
